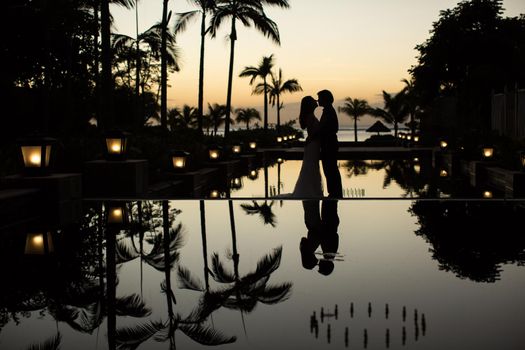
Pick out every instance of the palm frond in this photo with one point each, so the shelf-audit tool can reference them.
(266, 265)
(125, 252)
(130, 338)
(183, 19)
(275, 294)
(218, 271)
(50, 344)
(188, 281)
(132, 305)
(206, 335)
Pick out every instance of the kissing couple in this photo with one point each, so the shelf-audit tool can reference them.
(321, 144)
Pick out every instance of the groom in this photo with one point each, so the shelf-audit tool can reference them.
(328, 128)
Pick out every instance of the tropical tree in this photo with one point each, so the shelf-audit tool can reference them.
(263, 70)
(395, 109)
(278, 87)
(164, 66)
(218, 117)
(355, 108)
(411, 102)
(203, 7)
(263, 210)
(185, 118)
(247, 12)
(246, 115)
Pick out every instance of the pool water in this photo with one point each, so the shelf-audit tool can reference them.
(377, 274)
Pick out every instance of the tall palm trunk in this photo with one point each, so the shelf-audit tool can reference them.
(265, 106)
(111, 271)
(107, 78)
(395, 129)
(138, 107)
(200, 105)
(204, 245)
(164, 69)
(233, 37)
(167, 265)
(278, 112)
(355, 128)
(96, 63)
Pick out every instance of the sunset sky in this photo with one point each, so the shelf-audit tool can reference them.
(352, 47)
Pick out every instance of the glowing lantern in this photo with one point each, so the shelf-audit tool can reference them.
(252, 145)
(39, 243)
(280, 161)
(443, 173)
(279, 139)
(443, 144)
(416, 138)
(236, 183)
(417, 168)
(179, 160)
(236, 149)
(487, 152)
(36, 155)
(253, 175)
(214, 152)
(409, 137)
(487, 194)
(116, 214)
(116, 145)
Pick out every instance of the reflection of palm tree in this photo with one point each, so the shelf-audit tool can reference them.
(355, 108)
(204, 6)
(248, 12)
(261, 71)
(278, 87)
(357, 167)
(264, 210)
(49, 344)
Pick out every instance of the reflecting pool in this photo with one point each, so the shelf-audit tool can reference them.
(238, 274)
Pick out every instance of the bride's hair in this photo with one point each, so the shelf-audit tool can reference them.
(308, 105)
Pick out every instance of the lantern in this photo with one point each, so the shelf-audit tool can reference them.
(36, 154)
(280, 161)
(236, 183)
(285, 138)
(443, 144)
(279, 139)
(487, 194)
(40, 243)
(116, 145)
(216, 194)
(236, 149)
(214, 152)
(416, 138)
(443, 173)
(487, 152)
(417, 168)
(116, 214)
(409, 137)
(253, 175)
(179, 160)
(253, 146)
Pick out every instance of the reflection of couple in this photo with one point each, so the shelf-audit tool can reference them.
(322, 231)
(321, 144)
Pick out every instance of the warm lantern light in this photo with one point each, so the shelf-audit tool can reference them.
(280, 161)
(39, 243)
(214, 152)
(36, 154)
(417, 168)
(179, 160)
(215, 194)
(416, 159)
(416, 138)
(409, 137)
(236, 183)
(443, 144)
(443, 173)
(285, 138)
(487, 194)
(254, 174)
(116, 145)
(236, 149)
(116, 214)
(487, 152)
(279, 139)
(253, 145)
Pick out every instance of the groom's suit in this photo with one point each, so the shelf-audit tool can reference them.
(328, 128)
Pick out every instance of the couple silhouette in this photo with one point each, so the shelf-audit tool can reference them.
(321, 144)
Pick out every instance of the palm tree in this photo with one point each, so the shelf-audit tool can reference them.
(411, 103)
(204, 6)
(185, 118)
(218, 116)
(395, 110)
(246, 115)
(248, 12)
(261, 71)
(164, 66)
(263, 210)
(278, 87)
(355, 108)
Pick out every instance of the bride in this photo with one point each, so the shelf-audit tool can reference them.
(309, 183)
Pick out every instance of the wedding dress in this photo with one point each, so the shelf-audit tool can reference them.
(309, 183)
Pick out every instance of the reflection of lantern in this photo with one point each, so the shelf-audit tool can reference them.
(36, 154)
(116, 145)
(443, 173)
(416, 138)
(214, 152)
(253, 145)
(416, 159)
(285, 138)
(279, 139)
(236, 183)
(215, 194)
(409, 137)
(487, 152)
(403, 136)
(116, 214)
(487, 194)
(179, 160)
(254, 174)
(280, 161)
(417, 168)
(39, 243)
(443, 144)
